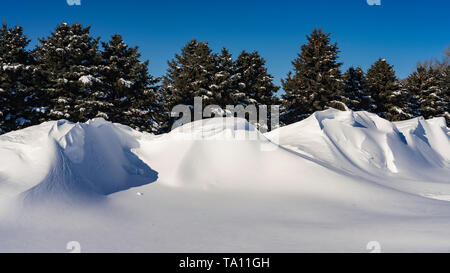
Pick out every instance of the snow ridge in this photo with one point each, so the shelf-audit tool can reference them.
(83, 160)
(363, 144)
(98, 158)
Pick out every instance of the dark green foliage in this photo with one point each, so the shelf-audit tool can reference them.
(444, 84)
(127, 86)
(13, 45)
(355, 93)
(223, 83)
(429, 87)
(190, 75)
(67, 76)
(316, 80)
(254, 83)
(69, 62)
(217, 79)
(391, 100)
(17, 94)
(254, 86)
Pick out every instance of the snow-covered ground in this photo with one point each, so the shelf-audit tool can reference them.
(333, 182)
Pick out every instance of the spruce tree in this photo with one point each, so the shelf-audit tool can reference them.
(444, 84)
(355, 93)
(17, 94)
(190, 74)
(316, 80)
(69, 61)
(255, 84)
(128, 87)
(419, 80)
(224, 80)
(428, 91)
(391, 99)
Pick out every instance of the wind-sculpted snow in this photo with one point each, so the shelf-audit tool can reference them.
(66, 160)
(99, 158)
(333, 182)
(363, 144)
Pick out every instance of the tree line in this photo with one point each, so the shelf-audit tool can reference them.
(72, 75)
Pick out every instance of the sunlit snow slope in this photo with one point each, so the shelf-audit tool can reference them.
(332, 182)
(63, 160)
(365, 145)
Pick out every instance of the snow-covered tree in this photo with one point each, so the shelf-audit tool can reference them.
(316, 80)
(430, 94)
(444, 83)
(391, 99)
(17, 94)
(254, 84)
(224, 81)
(128, 87)
(355, 93)
(191, 74)
(69, 61)
(217, 79)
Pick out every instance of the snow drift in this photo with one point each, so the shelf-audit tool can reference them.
(62, 159)
(332, 182)
(365, 145)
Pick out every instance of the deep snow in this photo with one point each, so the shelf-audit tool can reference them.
(333, 182)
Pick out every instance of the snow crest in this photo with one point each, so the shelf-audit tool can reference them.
(332, 182)
(365, 145)
(99, 158)
(67, 160)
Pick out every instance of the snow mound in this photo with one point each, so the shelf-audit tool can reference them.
(363, 144)
(214, 152)
(332, 154)
(217, 129)
(333, 182)
(61, 159)
(230, 154)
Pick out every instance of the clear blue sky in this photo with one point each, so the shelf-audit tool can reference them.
(403, 32)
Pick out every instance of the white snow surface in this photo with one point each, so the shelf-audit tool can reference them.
(331, 183)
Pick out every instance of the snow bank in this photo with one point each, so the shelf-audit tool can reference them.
(229, 153)
(63, 159)
(363, 144)
(99, 158)
(208, 153)
(333, 182)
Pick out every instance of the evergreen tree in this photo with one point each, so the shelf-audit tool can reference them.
(316, 80)
(16, 75)
(420, 80)
(428, 91)
(128, 87)
(355, 93)
(191, 75)
(224, 80)
(444, 83)
(415, 83)
(391, 99)
(255, 84)
(69, 62)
